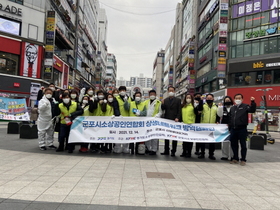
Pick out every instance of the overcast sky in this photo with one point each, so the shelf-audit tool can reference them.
(135, 39)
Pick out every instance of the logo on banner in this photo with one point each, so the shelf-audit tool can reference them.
(30, 60)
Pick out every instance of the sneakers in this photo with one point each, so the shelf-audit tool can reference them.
(242, 163)
(43, 148)
(224, 158)
(52, 147)
(201, 156)
(233, 161)
(83, 150)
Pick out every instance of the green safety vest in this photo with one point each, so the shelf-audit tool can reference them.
(133, 105)
(209, 115)
(109, 110)
(123, 112)
(87, 112)
(65, 112)
(98, 111)
(188, 115)
(157, 105)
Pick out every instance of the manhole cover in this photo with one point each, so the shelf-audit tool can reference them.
(159, 175)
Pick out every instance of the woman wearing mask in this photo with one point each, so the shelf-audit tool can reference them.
(88, 106)
(74, 96)
(89, 91)
(115, 93)
(189, 113)
(111, 108)
(223, 113)
(68, 111)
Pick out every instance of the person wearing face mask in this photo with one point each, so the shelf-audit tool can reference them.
(198, 104)
(40, 93)
(189, 113)
(87, 105)
(74, 96)
(238, 121)
(223, 113)
(121, 99)
(115, 93)
(153, 107)
(89, 91)
(137, 108)
(68, 111)
(209, 116)
(172, 111)
(47, 110)
(111, 108)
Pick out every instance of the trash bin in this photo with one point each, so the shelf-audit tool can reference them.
(256, 142)
(28, 132)
(264, 137)
(13, 127)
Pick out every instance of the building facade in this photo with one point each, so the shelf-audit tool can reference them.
(144, 82)
(111, 72)
(157, 83)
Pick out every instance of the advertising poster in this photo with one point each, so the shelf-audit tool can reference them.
(13, 109)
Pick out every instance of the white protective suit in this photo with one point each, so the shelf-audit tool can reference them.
(152, 145)
(45, 123)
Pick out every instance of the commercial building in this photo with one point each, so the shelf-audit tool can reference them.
(254, 64)
(111, 72)
(144, 82)
(157, 83)
(123, 82)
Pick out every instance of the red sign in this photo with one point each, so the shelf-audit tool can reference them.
(16, 84)
(272, 96)
(58, 64)
(65, 76)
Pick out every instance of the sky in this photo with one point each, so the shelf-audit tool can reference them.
(136, 39)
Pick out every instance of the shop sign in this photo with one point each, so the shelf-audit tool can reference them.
(224, 13)
(258, 65)
(223, 33)
(222, 40)
(259, 33)
(272, 64)
(224, 20)
(222, 54)
(11, 9)
(205, 79)
(16, 84)
(203, 59)
(221, 67)
(221, 61)
(224, 6)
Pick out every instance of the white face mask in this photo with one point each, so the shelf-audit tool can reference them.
(48, 96)
(52, 88)
(73, 96)
(85, 101)
(66, 100)
(137, 99)
(116, 94)
(122, 93)
(110, 100)
(238, 102)
(100, 97)
(90, 92)
(152, 97)
(188, 100)
(171, 94)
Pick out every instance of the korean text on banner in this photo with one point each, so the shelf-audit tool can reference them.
(13, 109)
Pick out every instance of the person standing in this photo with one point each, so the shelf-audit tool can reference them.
(198, 104)
(47, 112)
(209, 116)
(223, 113)
(121, 99)
(189, 113)
(238, 121)
(68, 111)
(34, 114)
(153, 107)
(172, 111)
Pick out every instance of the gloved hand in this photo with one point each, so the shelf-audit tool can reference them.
(113, 116)
(83, 91)
(125, 98)
(101, 101)
(57, 119)
(105, 101)
(95, 97)
(157, 116)
(68, 120)
(138, 113)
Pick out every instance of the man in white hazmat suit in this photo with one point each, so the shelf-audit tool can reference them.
(153, 107)
(47, 109)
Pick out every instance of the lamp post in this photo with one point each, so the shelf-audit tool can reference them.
(265, 108)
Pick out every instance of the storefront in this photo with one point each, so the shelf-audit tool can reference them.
(60, 73)
(272, 98)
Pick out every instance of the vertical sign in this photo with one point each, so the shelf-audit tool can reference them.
(30, 60)
(49, 49)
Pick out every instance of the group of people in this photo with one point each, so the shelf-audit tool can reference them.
(62, 107)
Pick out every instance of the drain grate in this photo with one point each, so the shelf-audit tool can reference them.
(159, 175)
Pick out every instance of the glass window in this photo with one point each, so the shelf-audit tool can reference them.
(57, 77)
(17, 1)
(233, 38)
(234, 24)
(241, 23)
(238, 79)
(257, 19)
(267, 77)
(249, 78)
(259, 77)
(256, 47)
(276, 77)
(213, 85)
(216, 17)
(265, 17)
(240, 37)
(247, 49)
(263, 46)
(248, 20)
(233, 51)
(239, 51)
(9, 63)
(272, 45)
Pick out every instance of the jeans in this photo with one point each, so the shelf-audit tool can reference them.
(239, 135)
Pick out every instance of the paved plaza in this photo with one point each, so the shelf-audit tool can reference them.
(32, 179)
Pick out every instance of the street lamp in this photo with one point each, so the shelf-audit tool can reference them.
(265, 108)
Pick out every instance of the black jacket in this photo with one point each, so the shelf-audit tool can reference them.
(115, 106)
(238, 116)
(172, 108)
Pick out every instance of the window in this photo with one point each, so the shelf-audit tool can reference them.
(9, 26)
(233, 51)
(257, 19)
(247, 49)
(259, 78)
(240, 37)
(276, 77)
(256, 47)
(9, 63)
(272, 45)
(249, 21)
(238, 79)
(267, 77)
(265, 18)
(233, 38)
(234, 25)
(241, 23)
(263, 46)
(17, 1)
(239, 51)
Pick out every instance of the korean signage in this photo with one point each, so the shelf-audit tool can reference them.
(255, 6)
(13, 109)
(263, 32)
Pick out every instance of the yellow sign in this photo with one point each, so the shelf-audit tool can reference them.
(221, 61)
(49, 48)
(258, 65)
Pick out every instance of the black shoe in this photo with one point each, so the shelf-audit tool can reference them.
(197, 153)
(165, 153)
(172, 154)
(70, 151)
(152, 153)
(201, 156)
(224, 158)
(60, 150)
(52, 147)
(43, 148)
(183, 155)
(188, 156)
(212, 157)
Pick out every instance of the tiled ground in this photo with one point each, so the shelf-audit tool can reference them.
(34, 179)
